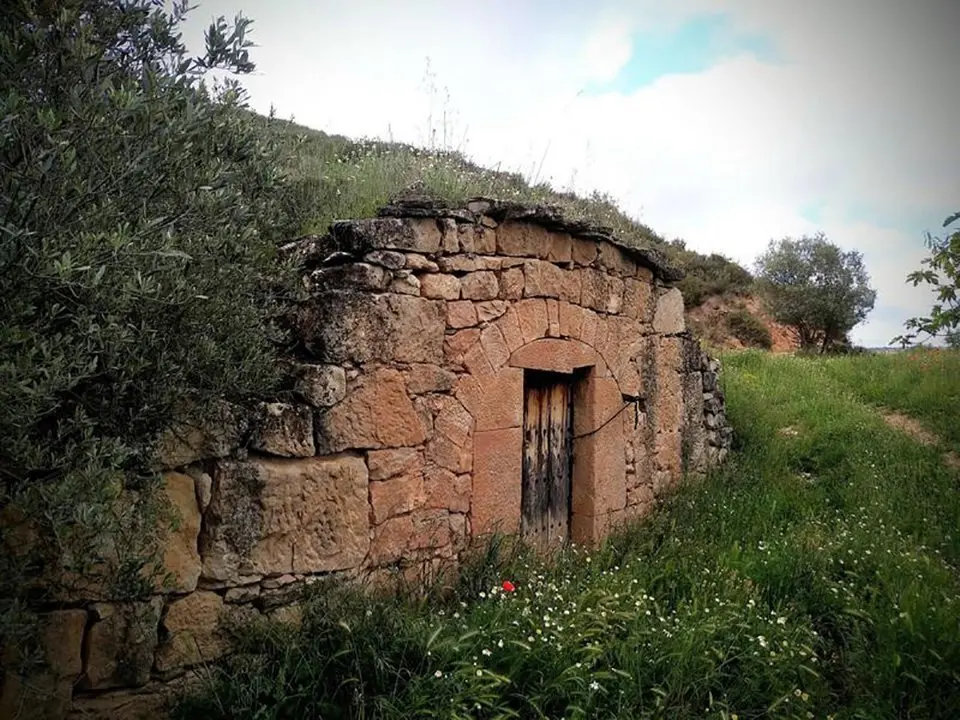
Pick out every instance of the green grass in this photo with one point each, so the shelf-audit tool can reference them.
(815, 576)
(890, 380)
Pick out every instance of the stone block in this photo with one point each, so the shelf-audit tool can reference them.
(584, 252)
(181, 560)
(283, 429)
(358, 237)
(444, 490)
(405, 283)
(490, 310)
(522, 239)
(121, 643)
(359, 327)
(272, 516)
(541, 279)
(358, 276)
(480, 285)
(570, 290)
(426, 378)
(571, 320)
(390, 259)
(615, 261)
(560, 249)
(461, 314)
(419, 263)
(553, 318)
(494, 347)
(450, 239)
(509, 325)
(499, 400)
(320, 385)
(396, 496)
(532, 314)
(457, 344)
(192, 632)
(440, 286)
(637, 300)
(385, 464)
(668, 318)
(511, 284)
(600, 291)
(497, 478)
(375, 413)
(554, 355)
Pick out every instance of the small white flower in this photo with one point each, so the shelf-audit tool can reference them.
(438, 674)
(781, 621)
(479, 673)
(594, 685)
(483, 595)
(500, 643)
(486, 652)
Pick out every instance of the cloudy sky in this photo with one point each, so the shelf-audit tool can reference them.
(723, 122)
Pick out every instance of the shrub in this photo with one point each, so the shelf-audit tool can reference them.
(708, 275)
(140, 211)
(748, 329)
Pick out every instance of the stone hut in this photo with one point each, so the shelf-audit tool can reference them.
(459, 372)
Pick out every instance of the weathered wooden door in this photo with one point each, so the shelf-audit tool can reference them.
(547, 457)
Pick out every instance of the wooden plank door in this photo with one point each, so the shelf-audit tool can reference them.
(547, 457)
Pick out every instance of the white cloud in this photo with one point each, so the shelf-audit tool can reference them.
(856, 117)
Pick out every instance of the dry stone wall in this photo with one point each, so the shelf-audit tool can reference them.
(403, 435)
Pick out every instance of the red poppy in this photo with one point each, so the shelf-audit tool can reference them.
(508, 586)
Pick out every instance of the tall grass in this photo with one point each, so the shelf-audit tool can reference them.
(815, 576)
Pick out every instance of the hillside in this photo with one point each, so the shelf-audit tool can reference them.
(733, 322)
(335, 178)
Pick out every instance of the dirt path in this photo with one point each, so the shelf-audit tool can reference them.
(906, 424)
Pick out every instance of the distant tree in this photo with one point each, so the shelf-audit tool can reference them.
(815, 288)
(942, 272)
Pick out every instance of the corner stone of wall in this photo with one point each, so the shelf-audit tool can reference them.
(401, 437)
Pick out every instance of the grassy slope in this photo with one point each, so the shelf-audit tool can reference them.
(340, 178)
(815, 576)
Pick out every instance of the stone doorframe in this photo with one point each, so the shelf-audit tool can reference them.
(599, 464)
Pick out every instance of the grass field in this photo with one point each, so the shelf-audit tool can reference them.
(815, 576)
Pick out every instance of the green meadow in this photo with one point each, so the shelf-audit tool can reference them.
(814, 576)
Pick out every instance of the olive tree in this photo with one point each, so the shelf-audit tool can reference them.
(139, 211)
(942, 272)
(815, 288)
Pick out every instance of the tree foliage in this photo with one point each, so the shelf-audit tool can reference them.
(942, 272)
(139, 209)
(708, 275)
(815, 288)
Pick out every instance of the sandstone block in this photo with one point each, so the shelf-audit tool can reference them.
(445, 491)
(541, 279)
(320, 385)
(450, 239)
(457, 344)
(600, 291)
(499, 399)
(615, 261)
(497, 480)
(554, 355)
(571, 320)
(385, 464)
(439, 286)
(461, 314)
(480, 285)
(443, 452)
(361, 276)
(405, 283)
(668, 318)
(121, 643)
(637, 299)
(584, 252)
(553, 318)
(533, 318)
(283, 429)
(419, 263)
(360, 236)
(560, 249)
(509, 325)
(569, 289)
(494, 347)
(180, 557)
(511, 284)
(396, 496)
(273, 516)
(426, 378)
(491, 309)
(375, 413)
(523, 239)
(390, 259)
(361, 327)
(192, 624)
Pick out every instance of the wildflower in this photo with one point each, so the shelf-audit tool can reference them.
(483, 595)
(486, 653)
(479, 673)
(508, 586)
(781, 621)
(438, 674)
(499, 643)
(594, 685)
